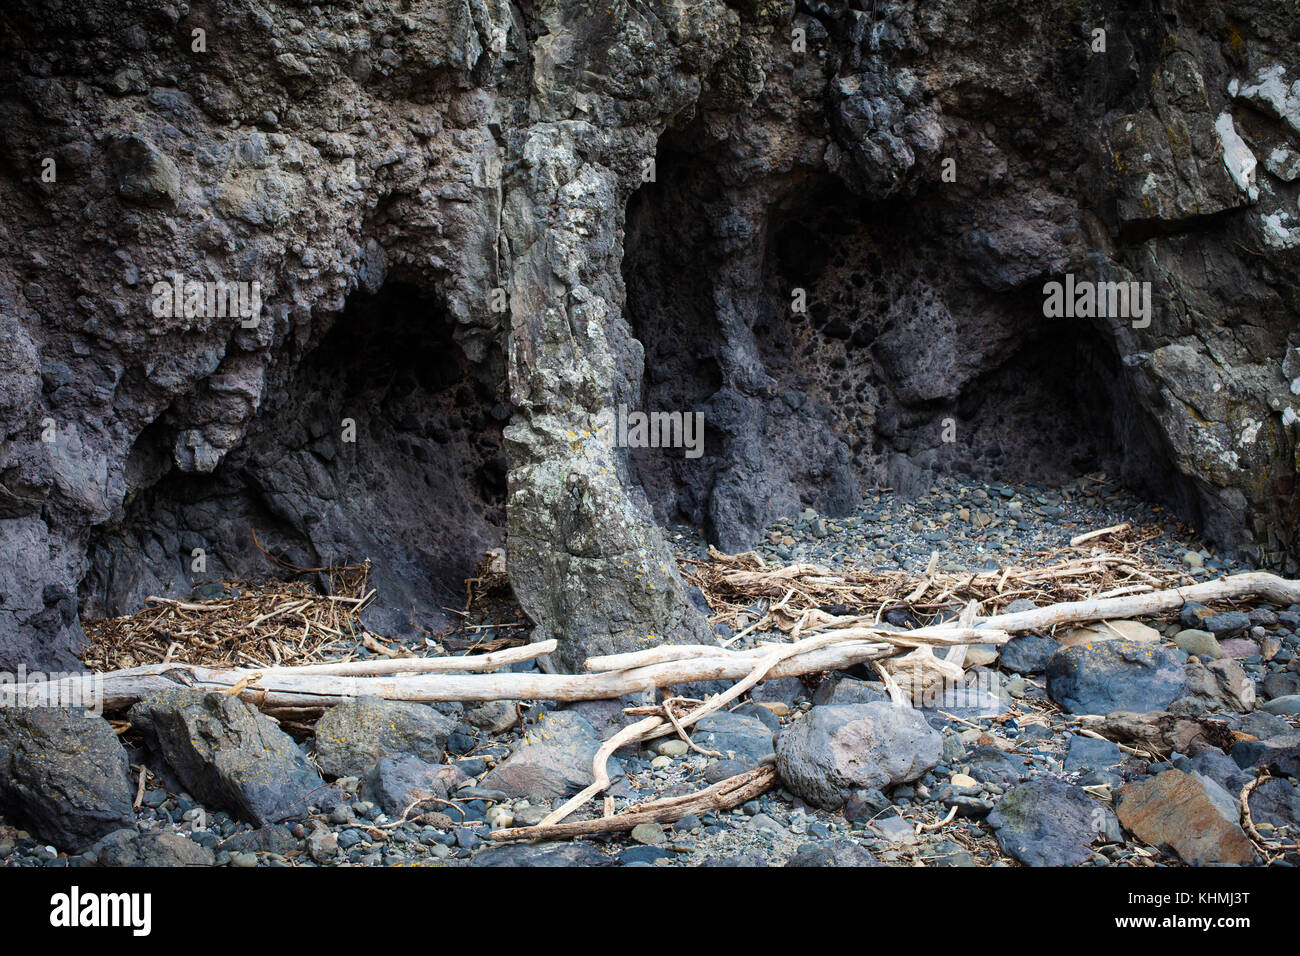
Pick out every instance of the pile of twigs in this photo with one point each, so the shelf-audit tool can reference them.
(791, 598)
(261, 624)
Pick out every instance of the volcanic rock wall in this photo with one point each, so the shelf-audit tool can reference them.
(475, 226)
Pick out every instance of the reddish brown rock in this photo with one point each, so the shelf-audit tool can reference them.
(1189, 814)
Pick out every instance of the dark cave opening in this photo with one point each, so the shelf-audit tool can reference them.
(384, 444)
(902, 364)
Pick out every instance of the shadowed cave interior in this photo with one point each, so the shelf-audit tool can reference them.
(421, 490)
(900, 347)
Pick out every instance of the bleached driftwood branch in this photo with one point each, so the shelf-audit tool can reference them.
(830, 646)
(723, 795)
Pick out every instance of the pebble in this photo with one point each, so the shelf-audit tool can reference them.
(972, 526)
(671, 747)
(649, 834)
(1289, 706)
(1201, 643)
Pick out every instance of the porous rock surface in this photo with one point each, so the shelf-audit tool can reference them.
(479, 225)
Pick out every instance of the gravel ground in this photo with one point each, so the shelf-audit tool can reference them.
(973, 526)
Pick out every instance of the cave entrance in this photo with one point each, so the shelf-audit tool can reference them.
(838, 345)
(384, 443)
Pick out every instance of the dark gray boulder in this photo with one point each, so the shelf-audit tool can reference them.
(1102, 677)
(834, 853)
(395, 784)
(833, 751)
(228, 755)
(272, 838)
(991, 765)
(351, 736)
(1217, 766)
(1088, 753)
(150, 848)
(553, 759)
(63, 775)
(1047, 822)
(735, 736)
(842, 689)
(1028, 654)
(547, 854)
(1276, 802)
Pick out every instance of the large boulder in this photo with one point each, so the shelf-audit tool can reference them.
(836, 853)
(1191, 815)
(553, 759)
(549, 855)
(835, 750)
(63, 775)
(842, 689)
(229, 755)
(150, 848)
(351, 736)
(1107, 676)
(1215, 687)
(735, 737)
(1047, 822)
(395, 784)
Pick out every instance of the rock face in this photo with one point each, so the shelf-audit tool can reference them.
(352, 736)
(835, 750)
(1190, 814)
(1109, 676)
(228, 755)
(63, 775)
(467, 232)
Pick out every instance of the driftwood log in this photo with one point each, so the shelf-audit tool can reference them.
(828, 646)
(723, 795)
